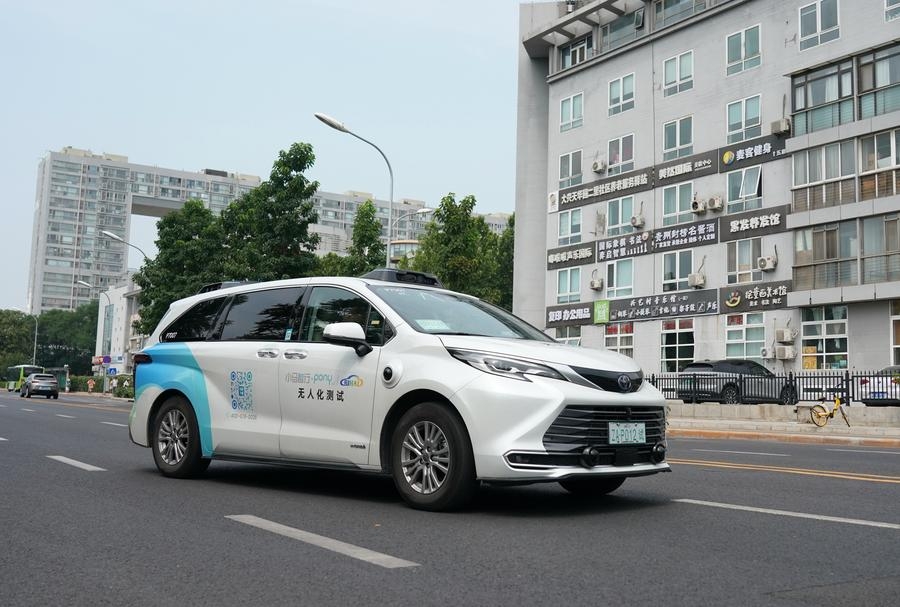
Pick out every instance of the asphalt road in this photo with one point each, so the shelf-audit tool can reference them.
(735, 523)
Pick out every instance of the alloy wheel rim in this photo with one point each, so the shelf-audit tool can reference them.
(172, 441)
(425, 457)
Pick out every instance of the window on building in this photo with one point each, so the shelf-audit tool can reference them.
(824, 340)
(823, 176)
(568, 285)
(819, 23)
(571, 112)
(677, 350)
(742, 50)
(673, 11)
(570, 227)
(571, 336)
(678, 138)
(621, 94)
(881, 249)
(621, 31)
(620, 338)
(880, 157)
(619, 212)
(891, 10)
(745, 189)
(620, 278)
(677, 203)
(570, 169)
(745, 336)
(676, 267)
(744, 119)
(826, 256)
(742, 256)
(576, 52)
(621, 155)
(823, 98)
(679, 73)
(879, 81)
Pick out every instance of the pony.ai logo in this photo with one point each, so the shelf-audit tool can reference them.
(353, 381)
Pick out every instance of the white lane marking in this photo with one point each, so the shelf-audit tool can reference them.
(815, 517)
(864, 451)
(66, 416)
(115, 424)
(1, 438)
(4, 406)
(76, 463)
(29, 410)
(356, 552)
(742, 452)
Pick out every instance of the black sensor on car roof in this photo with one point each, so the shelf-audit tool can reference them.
(407, 276)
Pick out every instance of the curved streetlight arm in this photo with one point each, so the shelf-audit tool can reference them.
(109, 234)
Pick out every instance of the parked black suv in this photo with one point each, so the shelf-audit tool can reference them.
(734, 380)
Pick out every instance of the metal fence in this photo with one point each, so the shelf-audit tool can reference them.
(868, 387)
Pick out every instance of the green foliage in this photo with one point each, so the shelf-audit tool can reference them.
(505, 258)
(366, 252)
(16, 338)
(460, 249)
(65, 337)
(263, 235)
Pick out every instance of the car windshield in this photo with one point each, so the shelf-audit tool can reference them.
(449, 313)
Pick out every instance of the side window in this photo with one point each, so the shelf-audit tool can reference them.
(196, 323)
(328, 305)
(262, 315)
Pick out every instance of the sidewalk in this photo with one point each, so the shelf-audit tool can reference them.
(870, 426)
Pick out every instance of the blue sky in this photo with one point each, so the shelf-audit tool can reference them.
(227, 84)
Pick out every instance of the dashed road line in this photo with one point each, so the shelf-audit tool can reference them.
(356, 552)
(864, 451)
(2, 439)
(806, 515)
(851, 476)
(66, 416)
(76, 463)
(29, 410)
(115, 424)
(742, 452)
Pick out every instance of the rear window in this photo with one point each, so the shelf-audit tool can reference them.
(698, 368)
(45, 377)
(196, 323)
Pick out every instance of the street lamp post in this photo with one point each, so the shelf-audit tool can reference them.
(102, 331)
(422, 211)
(109, 234)
(339, 126)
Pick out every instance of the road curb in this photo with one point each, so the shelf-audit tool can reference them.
(823, 439)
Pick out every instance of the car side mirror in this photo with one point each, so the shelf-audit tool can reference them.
(349, 334)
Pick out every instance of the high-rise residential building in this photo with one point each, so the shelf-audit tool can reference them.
(80, 195)
(711, 179)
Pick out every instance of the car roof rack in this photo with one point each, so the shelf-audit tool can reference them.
(406, 276)
(215, 286)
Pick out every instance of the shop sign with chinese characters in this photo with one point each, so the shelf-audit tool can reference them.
(683, 169)
(668, 305)
(572, 255)
(569, 315)
(749, 153)
(613, 187)
(753, 223)
(685, 236)
(631, 245)
(755, 297)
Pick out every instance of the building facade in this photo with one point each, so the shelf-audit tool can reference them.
(712, 178)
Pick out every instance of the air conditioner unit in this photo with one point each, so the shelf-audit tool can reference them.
(714, 203)
(765, 353)
(597, 284)
(598, 166)
(696, 280)
(553, 201)
(785, 352)
(637, 221)
(698, 206)
(781, 127)
(767, 263)
(785, 336)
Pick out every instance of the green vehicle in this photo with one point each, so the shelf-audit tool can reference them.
(15, 376)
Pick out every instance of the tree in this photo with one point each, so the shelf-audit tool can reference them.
(366, 251)
(505, 258)
(460, 249)
(16, 338)
(266, 231)
(263, 235)
(68, 337)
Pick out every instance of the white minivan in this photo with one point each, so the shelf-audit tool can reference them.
(438, 389)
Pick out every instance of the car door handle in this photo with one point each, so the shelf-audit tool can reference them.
(295, 354)
(267, 353)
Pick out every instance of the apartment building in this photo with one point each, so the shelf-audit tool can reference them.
(712, 178)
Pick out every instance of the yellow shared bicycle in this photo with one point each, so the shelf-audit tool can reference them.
(820, 415)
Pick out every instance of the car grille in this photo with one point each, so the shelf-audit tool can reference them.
(610, 380)
(580, 426)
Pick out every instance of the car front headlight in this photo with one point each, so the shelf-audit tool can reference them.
(505, 366)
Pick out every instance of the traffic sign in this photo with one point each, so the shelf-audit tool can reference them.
(111, 371)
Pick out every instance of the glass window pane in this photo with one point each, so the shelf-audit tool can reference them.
(832, 161)
(685, 131)
(751, 42)
(847, 158)
(628, 86)
(614, 88)
(735, 116)
(576, 106)
(669, 131)
(669, 69)
(565, 111)
(829, 16)
(734, 48)
(808, 25)
(815, 165)
(751, 110)
(800, 177)
(687, 61)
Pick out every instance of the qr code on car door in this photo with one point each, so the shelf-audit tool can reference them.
(242, 395)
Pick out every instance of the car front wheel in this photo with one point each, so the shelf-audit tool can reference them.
(731, 395)
(176, 440)
(788, 396)
(431, 458)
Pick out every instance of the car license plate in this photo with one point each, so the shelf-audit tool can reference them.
(627, 433)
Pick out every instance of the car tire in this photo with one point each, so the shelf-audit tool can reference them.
(731, 395)
(788, 396)
(55, 396)
(27, 393)
(592, 486)
(431, 458)
(175, 440)
(21, 392)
